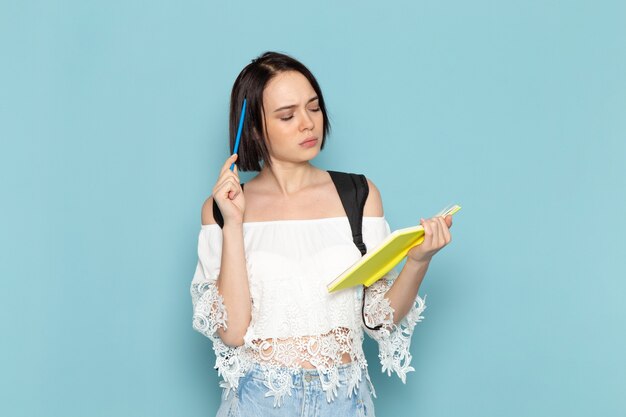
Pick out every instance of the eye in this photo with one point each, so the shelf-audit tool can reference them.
(316, 109)
(287, 118)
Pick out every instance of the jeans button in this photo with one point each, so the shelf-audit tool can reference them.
(307, 378)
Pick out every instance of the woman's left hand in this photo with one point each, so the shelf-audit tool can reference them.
(436, 236)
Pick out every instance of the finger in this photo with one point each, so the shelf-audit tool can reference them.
(438, 233)
(236, 174)
(224, 189)
(228, 163)
(234, 191)
(434, 227)
(449, 221)
(446, 232)
(441, 229)
(227, 174)
(427, 232)
(435, 232)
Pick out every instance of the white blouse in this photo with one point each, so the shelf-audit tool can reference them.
(295, 320)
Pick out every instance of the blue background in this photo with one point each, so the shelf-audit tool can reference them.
(113, 126)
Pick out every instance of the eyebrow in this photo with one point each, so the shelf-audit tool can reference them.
(294, 105)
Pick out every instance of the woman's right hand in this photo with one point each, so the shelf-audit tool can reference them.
(228, 194)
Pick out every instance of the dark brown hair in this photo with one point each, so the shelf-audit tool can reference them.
(250, 84)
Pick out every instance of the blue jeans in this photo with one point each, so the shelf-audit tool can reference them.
(307, 399)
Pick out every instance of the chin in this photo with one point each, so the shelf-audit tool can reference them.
(314, 153)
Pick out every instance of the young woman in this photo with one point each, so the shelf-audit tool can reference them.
(284, 345)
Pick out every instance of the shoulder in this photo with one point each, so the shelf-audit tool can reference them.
(207, 212)
(374, 202)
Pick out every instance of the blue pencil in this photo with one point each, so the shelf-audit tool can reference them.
(241, 118)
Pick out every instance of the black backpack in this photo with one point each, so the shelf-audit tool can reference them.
(353, 191)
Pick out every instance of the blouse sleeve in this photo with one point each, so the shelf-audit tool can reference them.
(209, 311)
(394, 341)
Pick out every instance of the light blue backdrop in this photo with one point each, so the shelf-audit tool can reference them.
(113, 122)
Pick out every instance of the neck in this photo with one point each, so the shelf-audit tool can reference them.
(288, 178)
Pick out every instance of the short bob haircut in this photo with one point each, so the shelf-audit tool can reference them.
(250, 84)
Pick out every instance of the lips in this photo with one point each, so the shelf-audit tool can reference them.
(309, 141)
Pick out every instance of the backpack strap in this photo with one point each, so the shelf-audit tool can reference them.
(217, 214)
(353, 191)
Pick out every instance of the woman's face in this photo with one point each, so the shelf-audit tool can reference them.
(293, 120)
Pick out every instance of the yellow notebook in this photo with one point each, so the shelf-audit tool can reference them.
(377, 262)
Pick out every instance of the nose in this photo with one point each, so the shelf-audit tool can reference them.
(306, 122)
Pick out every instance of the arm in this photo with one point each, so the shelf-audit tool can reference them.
(232, 282)
(403, 291)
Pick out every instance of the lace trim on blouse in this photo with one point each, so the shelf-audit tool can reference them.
(279, 357)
